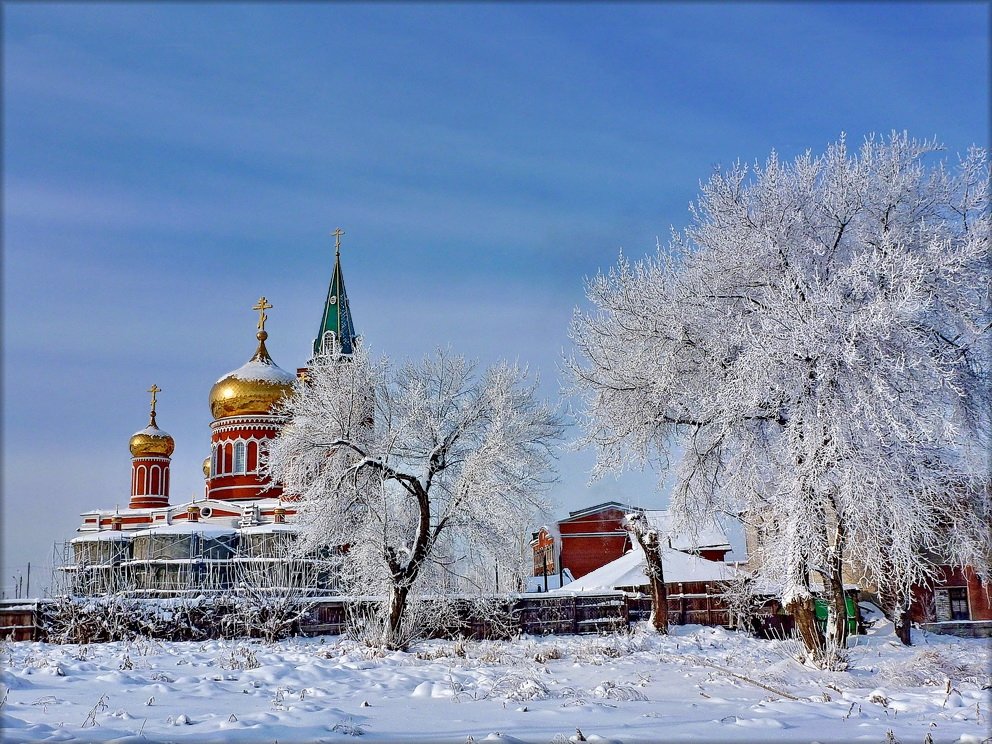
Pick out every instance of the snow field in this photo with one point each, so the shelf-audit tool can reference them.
(698, 684)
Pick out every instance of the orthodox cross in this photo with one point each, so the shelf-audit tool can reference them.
(262, 305)
(338, 232)
(154, 390)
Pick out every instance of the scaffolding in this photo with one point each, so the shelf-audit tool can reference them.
(193, 559)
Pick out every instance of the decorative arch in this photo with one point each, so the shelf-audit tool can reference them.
(141, 478)
(253, 456)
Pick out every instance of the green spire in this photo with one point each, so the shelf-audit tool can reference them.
(337, 313)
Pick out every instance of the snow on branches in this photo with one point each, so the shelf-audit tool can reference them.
(814, 348)
(426, 474)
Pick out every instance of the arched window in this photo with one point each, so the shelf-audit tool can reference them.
(252, 456)
(213, 461)
(239, 458)
(156, 477)
(226, 467)
(142, 475)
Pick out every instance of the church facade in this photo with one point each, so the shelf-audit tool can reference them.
(241, 533)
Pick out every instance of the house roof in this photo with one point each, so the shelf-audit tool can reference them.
(706, 535)
(598, 508)
(629, 570)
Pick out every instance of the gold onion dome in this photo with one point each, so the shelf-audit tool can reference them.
(152, 441)
(254, 388)
(206, 467)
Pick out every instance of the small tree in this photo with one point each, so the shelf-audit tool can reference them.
(815, 349)
(422, 471)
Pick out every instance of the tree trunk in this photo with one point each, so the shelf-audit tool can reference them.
(392, 637)
(659, 592)
(650, 543)
(833, 585)
(804, 614)
(898, 613)
(902, 627)
(837, 611)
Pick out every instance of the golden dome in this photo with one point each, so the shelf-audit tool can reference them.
(206, 467)
(254, 388)
(152, 442)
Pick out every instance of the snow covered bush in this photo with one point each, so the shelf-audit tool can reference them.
(427, 476)
(814, 350)
(94, 620)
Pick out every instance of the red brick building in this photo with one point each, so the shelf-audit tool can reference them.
(956, 595)
(592, 537)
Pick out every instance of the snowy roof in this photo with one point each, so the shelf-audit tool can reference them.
(259, 529)
(186, 528)
(263, 371)
(707, 535)
(628, 570)
(102, 536)
(152, 431)
(598, 508)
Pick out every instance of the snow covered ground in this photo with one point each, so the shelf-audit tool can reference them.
(622, 688)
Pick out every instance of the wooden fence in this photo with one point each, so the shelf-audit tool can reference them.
(536, 614)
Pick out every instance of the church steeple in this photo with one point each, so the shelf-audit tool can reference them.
(337, 330)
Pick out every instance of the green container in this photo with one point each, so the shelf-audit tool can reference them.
(820, 607)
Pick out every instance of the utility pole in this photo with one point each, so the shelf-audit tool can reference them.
(28, 592)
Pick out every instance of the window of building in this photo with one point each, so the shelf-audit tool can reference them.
(239, 457)
(959, 603)
(951, 603)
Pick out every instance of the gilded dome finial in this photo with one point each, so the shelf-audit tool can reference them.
(154, 390)
(152, 441)
(261, 353)
(262, 305)
(255, 387)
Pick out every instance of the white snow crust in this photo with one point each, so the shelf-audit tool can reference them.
(152, 431)
(263, 372)
(102, 536)
(698, 684)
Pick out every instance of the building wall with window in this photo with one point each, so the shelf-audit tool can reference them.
(957, 594)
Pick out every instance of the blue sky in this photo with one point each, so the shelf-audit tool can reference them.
(164, 165)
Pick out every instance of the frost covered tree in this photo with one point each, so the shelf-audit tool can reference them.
(428, 474)
(814, 351)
